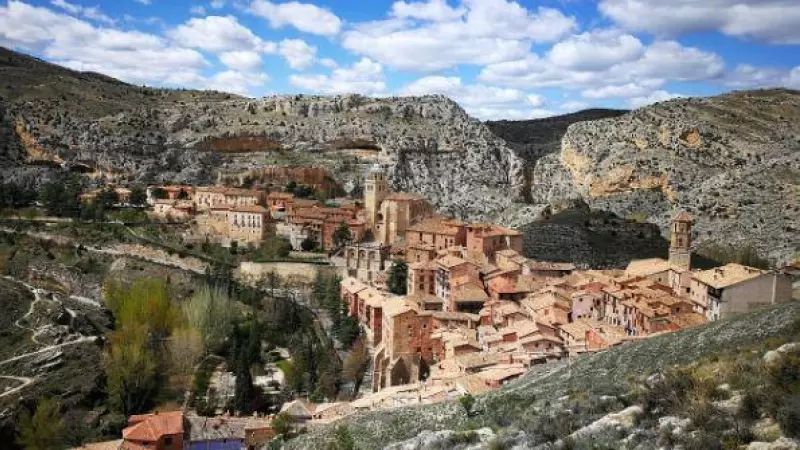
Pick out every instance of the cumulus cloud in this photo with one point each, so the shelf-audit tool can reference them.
(479, 32)
(772, 21)
(621, 91)
(242, 60)
(659, 62)
(217, 4)
(143, 2)
(216, 34)
(435, 10)
(654, 97)
(198, 10)
(297, 53)
(234, 82)
(129, 55)
(364, 77)
(91, 13)
(746, 76)
(596, 50)
(303, 16)
(484, 102)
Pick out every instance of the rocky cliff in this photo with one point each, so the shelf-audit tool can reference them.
(731, 161)
(54, 117)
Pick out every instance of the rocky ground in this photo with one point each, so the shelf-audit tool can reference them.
(680, 390)
(730, 160)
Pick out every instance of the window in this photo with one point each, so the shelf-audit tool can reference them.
(168, 440)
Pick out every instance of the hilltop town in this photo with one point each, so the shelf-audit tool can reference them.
(445, 308)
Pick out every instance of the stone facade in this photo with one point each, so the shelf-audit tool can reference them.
(365, 261)
(247, 224)
(207, 197)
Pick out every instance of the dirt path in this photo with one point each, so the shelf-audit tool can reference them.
(25, 382)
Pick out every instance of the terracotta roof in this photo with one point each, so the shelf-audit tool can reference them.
(154, 426)
(651, 266)
(689, 320)
(727, 275)
(229, 191)
(373, 297)
(450, 261)
(280, 195)
(437, 225)
(426, 265)
(353, 285)
(548, 265)
(469, 293)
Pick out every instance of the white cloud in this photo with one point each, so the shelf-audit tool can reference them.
(129, 55)
(660, 62)
(303, 16)
(198, 10)
(235, 82)
(654, 97)
(242, 60)
(217, 4)
(92, 13)
(363, 77)
(297, 53)
(434, 10)
(596, 50)
(488, 31)
(328, 63)
(620, 90)
(747, 76)
(772, 21)
(215, 34)
(481, 101)
(143, 2)
(574, 105)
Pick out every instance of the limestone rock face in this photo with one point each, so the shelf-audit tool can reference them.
(731, 161)
(428, 145)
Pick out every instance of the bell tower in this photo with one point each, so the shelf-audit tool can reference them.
(680, 253)
(376, 188)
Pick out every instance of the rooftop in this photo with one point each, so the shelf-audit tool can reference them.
(437, 225)
(727, 275)
(651, 266)
(151, 427)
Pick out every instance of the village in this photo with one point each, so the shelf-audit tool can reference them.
(447, 308)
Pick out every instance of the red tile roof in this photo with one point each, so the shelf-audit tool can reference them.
(152, 427)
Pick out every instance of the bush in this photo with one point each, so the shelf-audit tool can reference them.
(788, 416)
(467, 402)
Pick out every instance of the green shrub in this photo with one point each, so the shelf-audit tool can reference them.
(788, 416)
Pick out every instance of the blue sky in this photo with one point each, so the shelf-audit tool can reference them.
(497, 58)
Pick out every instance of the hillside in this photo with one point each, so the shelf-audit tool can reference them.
(732, 160)
(556, 400)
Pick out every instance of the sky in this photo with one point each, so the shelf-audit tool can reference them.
(499, 59)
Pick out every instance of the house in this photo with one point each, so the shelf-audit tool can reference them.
(365, 260)
(226, 433)
(436, 233)
(388, 214)
(452, 271)
(734, 288)
(156, 431)
(243, 224)
(484, 239)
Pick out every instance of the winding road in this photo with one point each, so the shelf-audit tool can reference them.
(27, 381)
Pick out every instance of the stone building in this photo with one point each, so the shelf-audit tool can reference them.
(208, 196)
(365, 260)
(389, 214)
(320, 223)
(484, 239)
(733, 288)
(243, 224)
(680, 253)
(434, 234)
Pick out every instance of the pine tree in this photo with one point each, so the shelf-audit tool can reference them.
(398, 277)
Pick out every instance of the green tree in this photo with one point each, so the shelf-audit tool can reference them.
(398, 277)
(291, 186)
(342, 439)
(342, 236)
(467, 402)
(107, 198)
(159, 193)
(356, 364)
(44, 430)
(138, 196)
(308, 245)
(283, 424)
(211, 312)
(61, 197)
(131, 370)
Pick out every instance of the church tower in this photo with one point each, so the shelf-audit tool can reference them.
(376, 188)
(680, 253)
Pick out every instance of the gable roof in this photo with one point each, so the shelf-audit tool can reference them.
(151, 427)
(727, 275)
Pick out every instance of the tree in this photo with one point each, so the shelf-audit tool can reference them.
(467, 402)
(342, 439)
(61, 198)
(107, 198)
(43, 430)
(308, 245)
(291, 186)
(398, 277)
(210, 312)
(183, 195)
(159, 193)
(185, 348)
(356, 364)
(342, 236)
(131, 370)
(138, 196)
(282, 424)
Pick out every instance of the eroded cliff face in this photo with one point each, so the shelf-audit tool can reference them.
(731, 161)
